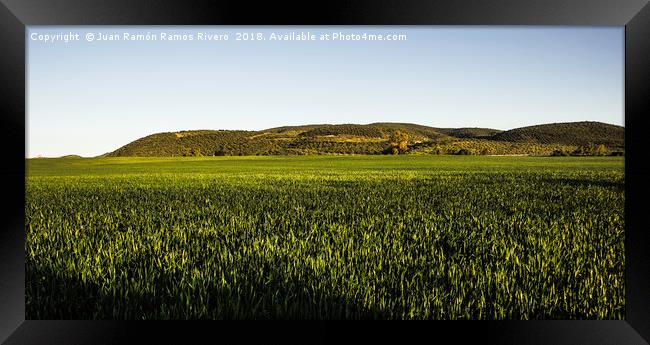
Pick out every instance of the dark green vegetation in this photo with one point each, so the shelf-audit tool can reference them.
(576, 138)
(435, 237)
(577, 134)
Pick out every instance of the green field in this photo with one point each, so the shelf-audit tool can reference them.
(406, 237)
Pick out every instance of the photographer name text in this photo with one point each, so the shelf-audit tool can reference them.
(302, 36)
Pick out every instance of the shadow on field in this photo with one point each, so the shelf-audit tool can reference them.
(60, 295)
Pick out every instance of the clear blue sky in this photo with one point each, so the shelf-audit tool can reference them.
(89, 98)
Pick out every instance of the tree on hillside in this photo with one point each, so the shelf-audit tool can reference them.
(398, 142)
(600, 150)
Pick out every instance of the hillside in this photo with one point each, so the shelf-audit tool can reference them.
(375, 139)
(570, 133)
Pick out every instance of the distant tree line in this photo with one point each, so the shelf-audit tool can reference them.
(589, 150)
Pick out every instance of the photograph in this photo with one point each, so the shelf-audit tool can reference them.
(417, 172)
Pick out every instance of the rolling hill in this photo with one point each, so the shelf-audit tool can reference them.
(375, 139)
(571, 133)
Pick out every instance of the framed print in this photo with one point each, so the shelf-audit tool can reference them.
(476, 166)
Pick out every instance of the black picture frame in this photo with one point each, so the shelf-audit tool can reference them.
(15, 15)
